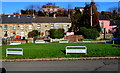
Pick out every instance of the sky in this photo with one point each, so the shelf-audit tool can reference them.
(13, 7)
(58, 0)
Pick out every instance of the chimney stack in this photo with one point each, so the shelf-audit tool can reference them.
(92, 0)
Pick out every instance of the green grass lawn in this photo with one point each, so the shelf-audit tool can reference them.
(56, 50)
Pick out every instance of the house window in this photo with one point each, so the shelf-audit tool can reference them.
(9, 15)
(30, 26)
(102, 24)
(14, 15)
(21, 27)
(5, 26)
(68, 26)
(38, 26)
(57, 26)
(13, 26)
(45, 25)
(65, 26)
(28, 16)
(22, 34)
(52, 26)
(55, 9)
(0, 26)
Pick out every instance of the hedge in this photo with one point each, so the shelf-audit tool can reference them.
(56, 33)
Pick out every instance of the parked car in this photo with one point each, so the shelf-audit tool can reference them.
(116, 40)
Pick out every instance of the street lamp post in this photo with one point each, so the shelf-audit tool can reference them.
(104, 33)
(91, 15)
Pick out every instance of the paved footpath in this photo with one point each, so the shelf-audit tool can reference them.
(73, 65)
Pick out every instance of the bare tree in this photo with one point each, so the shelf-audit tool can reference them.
(38, 8)
(114, 8)
(69, 6)
(30, 7)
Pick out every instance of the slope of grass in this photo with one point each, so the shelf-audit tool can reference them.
(56, 50)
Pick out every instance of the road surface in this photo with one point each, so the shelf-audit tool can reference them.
(77, 65)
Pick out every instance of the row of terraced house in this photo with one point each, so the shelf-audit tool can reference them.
(22, 24)
(12, 25)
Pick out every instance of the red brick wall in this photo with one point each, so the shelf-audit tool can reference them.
(73, 37)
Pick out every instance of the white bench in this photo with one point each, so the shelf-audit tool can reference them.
(83, 49)
(39, 41)
(86, 41)
(63, 41)
(19, 51)
(16, 43)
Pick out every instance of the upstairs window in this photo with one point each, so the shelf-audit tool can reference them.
(22, 33)
(13, 26)
(0, 26)
(28, 16)
(102, 24)
(68, 26)
(65, 26)
(30, 26)
(38, 26)
(45, 25)
(21, 26)
(52, 26)
(5, 26)
(57, 26)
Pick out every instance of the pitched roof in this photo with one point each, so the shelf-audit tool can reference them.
(71, 9)
(51, 20)
(103, 17)
(50, 6)
(115, 22)
(79, 7)
(16, 19)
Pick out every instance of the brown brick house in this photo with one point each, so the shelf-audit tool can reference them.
(43, 24)
(16, 25)
(21, 25)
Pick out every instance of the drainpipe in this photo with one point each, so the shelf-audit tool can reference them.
(104, 33)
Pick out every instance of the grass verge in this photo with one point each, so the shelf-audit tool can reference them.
(57, 50)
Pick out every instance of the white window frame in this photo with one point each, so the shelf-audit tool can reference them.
(57, 26)
(52, 26)
(38, 26)
(102, 24)
(22, 34)
(30, 26)
(13, 26)
(5, 26)
(21, 26)
(65, 26)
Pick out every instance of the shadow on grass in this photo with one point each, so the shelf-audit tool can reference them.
(63, 51)
(116, 45)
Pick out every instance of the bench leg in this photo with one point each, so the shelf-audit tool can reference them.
(6, 55)
(6, 52)
(66, 53)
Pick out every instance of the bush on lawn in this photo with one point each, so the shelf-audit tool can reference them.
(33, 33)
(56, 33)
(117, 32)
(90, 33)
